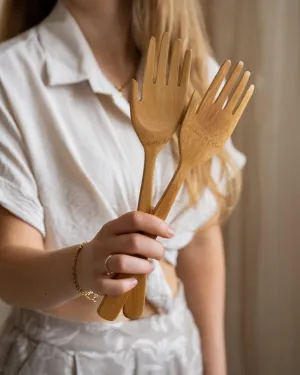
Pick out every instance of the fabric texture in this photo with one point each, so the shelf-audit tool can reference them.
(39, 344)
(70, 160)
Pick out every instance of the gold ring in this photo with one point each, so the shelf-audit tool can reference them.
(108, 272)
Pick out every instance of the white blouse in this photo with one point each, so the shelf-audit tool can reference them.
(70, 160)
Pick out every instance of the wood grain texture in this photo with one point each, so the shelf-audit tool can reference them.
(206, 128)
(155, 117)
(111, 306)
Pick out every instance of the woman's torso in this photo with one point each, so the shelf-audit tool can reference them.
(84, 162)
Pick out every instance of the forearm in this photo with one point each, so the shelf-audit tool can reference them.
(203, 274)
(31, 277)
(36, 279)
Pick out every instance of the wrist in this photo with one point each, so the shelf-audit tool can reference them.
(82, 271)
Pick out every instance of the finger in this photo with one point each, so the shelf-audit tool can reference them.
(139, 222)
(175, 62)
(238, 91)
(163, 59)
(229, 84)
(214, 87)
(186, 69)
(137, 244)
(121, 263)
(114, 287)
(134, 94)
(240, 109)
(149, 73)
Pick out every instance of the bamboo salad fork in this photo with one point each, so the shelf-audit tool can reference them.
(155, 118)
(206, 127)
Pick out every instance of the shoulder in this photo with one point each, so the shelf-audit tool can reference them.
(22, 63)
(20, 53)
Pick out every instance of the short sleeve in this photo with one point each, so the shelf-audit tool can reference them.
(18, 188)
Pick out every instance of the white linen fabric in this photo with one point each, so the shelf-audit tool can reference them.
(70, 160)
(33, 343)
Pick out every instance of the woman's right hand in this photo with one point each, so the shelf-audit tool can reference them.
(120, 239)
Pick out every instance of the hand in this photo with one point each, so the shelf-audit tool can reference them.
(120, 238)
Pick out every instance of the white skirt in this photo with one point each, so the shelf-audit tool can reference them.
(33, 343)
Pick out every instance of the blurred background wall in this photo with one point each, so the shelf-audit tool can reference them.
(262, 237)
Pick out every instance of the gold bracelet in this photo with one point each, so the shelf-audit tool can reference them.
(90, 295)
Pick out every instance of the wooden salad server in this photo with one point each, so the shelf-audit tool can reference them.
(207, 126)
(155, 118)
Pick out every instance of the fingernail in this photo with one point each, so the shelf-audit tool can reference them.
(171, 232)
(152, 266)
(133, 282)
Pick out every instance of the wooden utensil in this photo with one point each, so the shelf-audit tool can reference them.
(211, 124)
(155, 117)
(207, 127)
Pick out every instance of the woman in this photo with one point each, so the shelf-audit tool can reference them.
(70, 171)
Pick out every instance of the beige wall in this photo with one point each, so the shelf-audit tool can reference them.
(263, 304)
